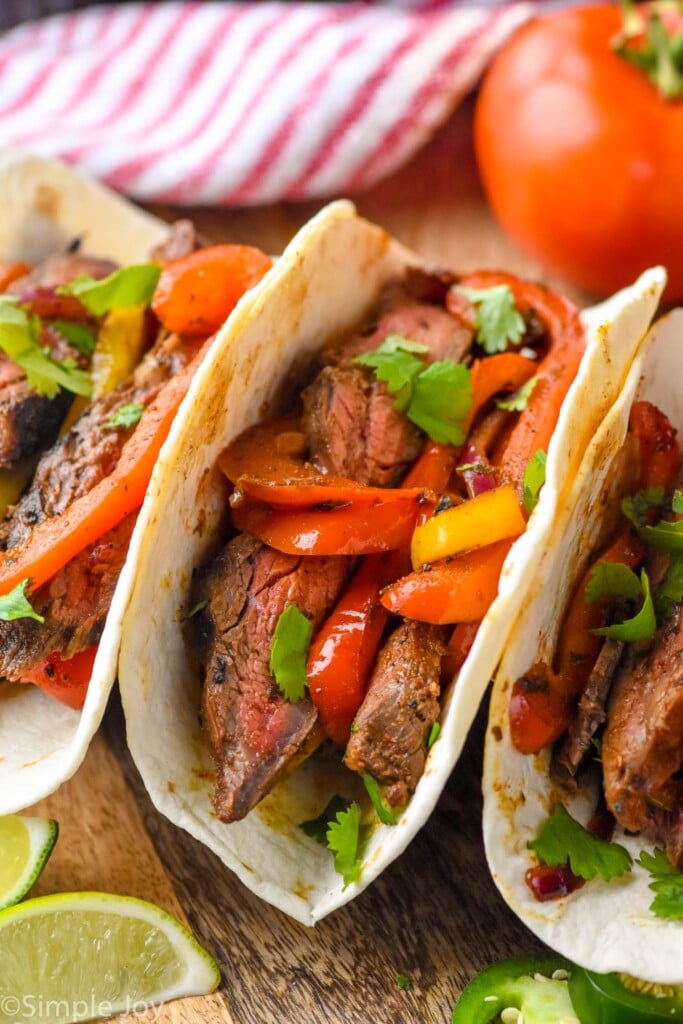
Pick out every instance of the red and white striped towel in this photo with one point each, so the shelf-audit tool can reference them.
(241, 103)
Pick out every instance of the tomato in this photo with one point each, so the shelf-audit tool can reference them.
(580, 155)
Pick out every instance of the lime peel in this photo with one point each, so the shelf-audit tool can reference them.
(25, 846)
(74, 957)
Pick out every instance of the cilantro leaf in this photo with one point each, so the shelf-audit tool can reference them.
(78, 335)
(636, 506)
(612, 579)
(291, 640)
(384, 812)
(519, 399)
(677, 502)
(642, 626)
(433, 734)
(441, 400)
(437, 398)
(667, 884)
(665, 536)
(561, 838)
(403, 982)
(317, 828)
(20, 340)
(534, 478)
(127, 415)
(343, 839)
(129, 286)
(16, 605)
(498, 321)
(670, 592)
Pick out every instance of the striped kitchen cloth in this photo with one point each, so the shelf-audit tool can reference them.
(235, 103)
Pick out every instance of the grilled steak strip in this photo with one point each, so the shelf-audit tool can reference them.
(74, 603)
(349, 416)
(590, 714)
(388, 739)
(642, 745)
(89, 452)
(60, 269)
(254, 732)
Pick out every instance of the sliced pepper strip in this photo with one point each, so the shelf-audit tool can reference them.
(320, 490)
(364, 528)
(55, 541)
(65, 679)
(461, 589)
(506, 371)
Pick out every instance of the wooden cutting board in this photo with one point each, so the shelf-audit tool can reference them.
(434, 916)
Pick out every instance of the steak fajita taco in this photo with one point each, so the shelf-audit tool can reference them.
(583, 816)
(344, 521)
(99, 339)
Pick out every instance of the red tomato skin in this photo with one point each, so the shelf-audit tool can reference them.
(579, 154)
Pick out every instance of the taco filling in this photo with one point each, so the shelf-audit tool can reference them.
(613, 697)
(368, 527)
(90, 376)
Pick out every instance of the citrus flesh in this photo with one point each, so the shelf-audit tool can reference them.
(25, 845)
(80, 956)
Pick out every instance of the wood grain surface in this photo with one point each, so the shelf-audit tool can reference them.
(434, 916)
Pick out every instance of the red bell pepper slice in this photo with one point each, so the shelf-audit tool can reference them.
(65, 679)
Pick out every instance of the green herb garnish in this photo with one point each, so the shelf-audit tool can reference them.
(16, 605)
(20, 339)
(642, 626)
(126, 287)
(534, 478)
(127, 415)
(637, 506)
(317, 828)
(498, 321)
(403, 982)
(666, 882)
(343, 839)
(384, 812)
(612, 579)
(433, 734)
(519, 399)
(562, 839)
(78, 335)
(291, 640)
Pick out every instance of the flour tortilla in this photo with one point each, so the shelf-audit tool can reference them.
(604, 926)
(44, 207)
(328, 279)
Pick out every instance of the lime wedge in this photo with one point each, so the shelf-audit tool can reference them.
(84, 955)
(25, 845)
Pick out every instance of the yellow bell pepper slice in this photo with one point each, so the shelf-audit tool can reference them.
(119, 348)
(489, 517)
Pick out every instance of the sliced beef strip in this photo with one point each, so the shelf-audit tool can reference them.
(182, 240)
(89, 451)
(60, 269)
(642, 745)
(254, 732)
(388, 739)
(353, 429)
(75, 603)
(590, 715)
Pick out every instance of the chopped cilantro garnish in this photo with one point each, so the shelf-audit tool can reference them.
(127, 415)
(78, 335)
(677, 502)
(384, 812)
(561, 838)
(403, 982)
(666, 882)
(636, 506)
(126, 287)
(16, 605)
(20, 340)
(665, 536)
(343, 839)
(670, 592)
(519, 399)
(612, 579)
(534, 478)
(433, 734)
(196, 609)
(642, 626)
(437, 398)
(291, 640)
(498, 321)
(317, 828)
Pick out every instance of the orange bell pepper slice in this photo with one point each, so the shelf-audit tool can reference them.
(55, 541)
(318, 490)
(461, 589)
(196, 293)
(11, 272)
(504, 372)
